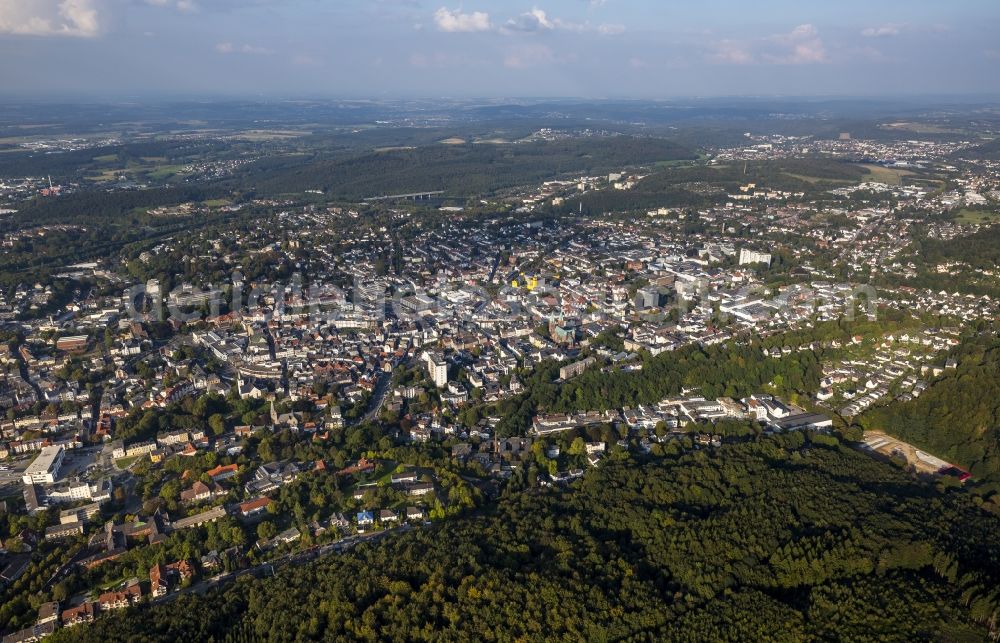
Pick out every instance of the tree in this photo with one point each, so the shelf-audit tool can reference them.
(217, 423)
(60, 592)
(266, 530)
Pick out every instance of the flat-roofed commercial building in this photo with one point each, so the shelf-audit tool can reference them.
(45, 468)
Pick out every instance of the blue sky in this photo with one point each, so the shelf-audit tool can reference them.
(581, 48)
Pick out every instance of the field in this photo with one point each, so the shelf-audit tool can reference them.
(678, 163)
(259, 136)
(817, 179)
(164, 171)
(887, 175)
(921, 128)
(976, 216)
(151, 168)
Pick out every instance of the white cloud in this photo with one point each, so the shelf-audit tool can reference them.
(456, 21)
(77, 18)
(534, 20)
(230, 48)
(883, 31)
(538, 21)
(804, 47)
(801, 46)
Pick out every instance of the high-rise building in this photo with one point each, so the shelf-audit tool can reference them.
(437, 368)
(752, 256)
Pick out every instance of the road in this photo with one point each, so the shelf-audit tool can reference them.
(267, 569)
(379, 393)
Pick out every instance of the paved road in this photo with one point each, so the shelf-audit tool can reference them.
(379, 393)
(267, 569)
(16, 469)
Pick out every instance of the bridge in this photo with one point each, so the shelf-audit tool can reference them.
(416, 196)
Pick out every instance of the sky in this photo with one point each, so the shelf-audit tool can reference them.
(499, 48)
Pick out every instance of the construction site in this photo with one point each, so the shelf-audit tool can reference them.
(922, 461)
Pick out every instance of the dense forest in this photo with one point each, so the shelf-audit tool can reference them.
(958, 417)
(110, 208)
(980, 250)
(774, 539)
(460, 170)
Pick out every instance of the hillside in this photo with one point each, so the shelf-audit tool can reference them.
(986, 151)
(979, 250)
(776, 539)
(698, 185)
(461, 170)
(958, 417)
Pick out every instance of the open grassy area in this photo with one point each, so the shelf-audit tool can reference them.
(382, 477)
(125, 463)
(269, 135)
(106, 175)
(817, 179)
(921, 128)
(164, 171)
(976, 216)
(677, 163)
(887, 175)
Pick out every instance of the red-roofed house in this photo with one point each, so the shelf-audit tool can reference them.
(254, 507)
(120, 600)
(223, 472)
(81, 614)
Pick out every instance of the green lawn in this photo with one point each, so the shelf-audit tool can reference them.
(887, 175)
(164, 171)
(125, 463)
(976, 216)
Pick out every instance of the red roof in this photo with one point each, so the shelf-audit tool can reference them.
(229, 468)
(252, 505)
